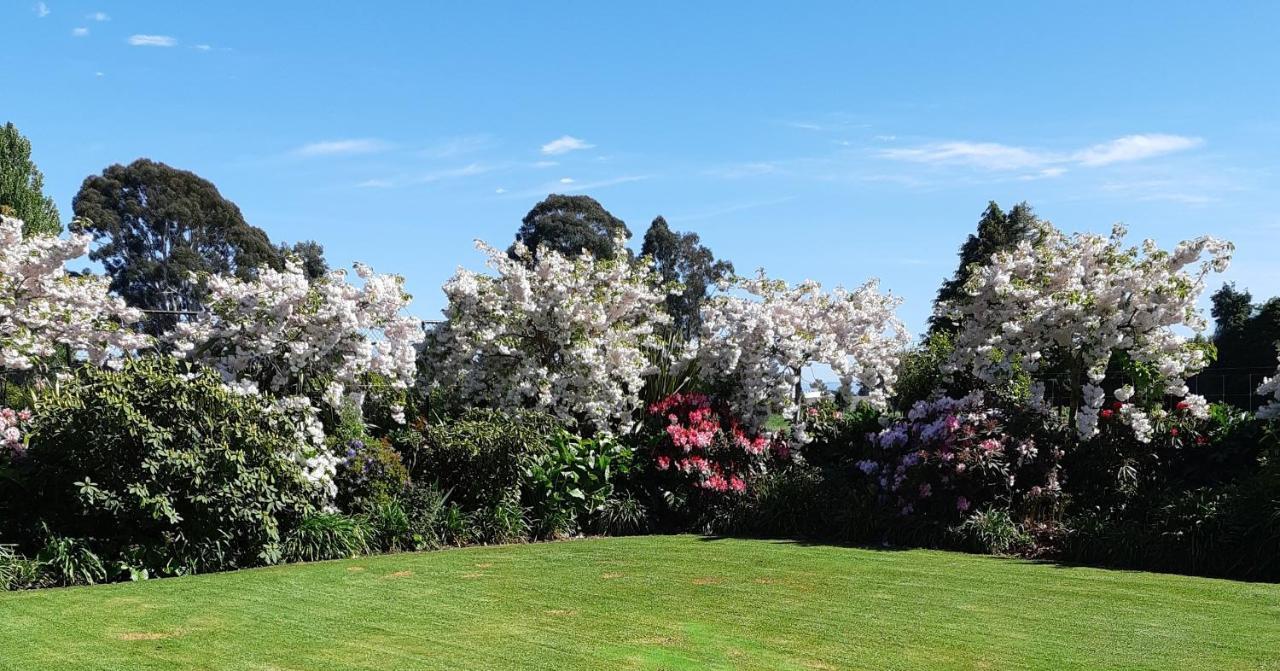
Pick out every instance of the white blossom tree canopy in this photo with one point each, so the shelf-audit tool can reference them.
(293, 336)
(1078, 300)
(564, 335)
(1270, 389)
(762, 341)
(43, 307)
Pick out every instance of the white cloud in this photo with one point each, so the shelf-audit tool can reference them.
(152, 41)
(451, 173)
(546, 164)
(465, 144)
(41, 10)
(80, 32)
(564, 144)
(98, 16)
(202, 47)
(341, 147)
(375, 184)
(1001, 157)
(99, 74)
(740, 170)
(499, 190)
(566, 180)
(1135, 148)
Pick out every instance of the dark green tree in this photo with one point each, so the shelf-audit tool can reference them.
(996, 231)
(22, 186)
(312, 255)
(157, 225)
(681, 257)
(1232, 310)
(570, 225)
(1245, 337)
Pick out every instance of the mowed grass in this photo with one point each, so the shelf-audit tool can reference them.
(664, 602)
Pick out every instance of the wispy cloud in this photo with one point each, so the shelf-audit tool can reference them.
(1001, 157)
(453, 173)
(202, 47)
(564, 144)
(98, 16)
(376, 184)
(41, 10)
(152, 41)
(1135, 148)
(80, 32)
(457, 146)
(740, 170)
(575, 187)
(566, 180)
(342, 147)
(728, 209)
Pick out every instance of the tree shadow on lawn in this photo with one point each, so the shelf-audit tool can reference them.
(1032, 561)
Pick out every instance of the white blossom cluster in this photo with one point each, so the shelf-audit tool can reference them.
(1080, 299)
(570, 336)
(284, 333)
(317, 463)
(43, 307)
(1271, 388)
(763, 337)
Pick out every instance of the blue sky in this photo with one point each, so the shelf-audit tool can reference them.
(827, 141)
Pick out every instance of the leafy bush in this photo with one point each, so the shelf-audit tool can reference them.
(799, 502)
(569, 484)
(479, 456)
(18, 572)
(993, 531)
(425, 509)
(158, 457)
(322, 535)
(69, 561)
(838, 438)
(621, 515)
(370, 472)
(389, 526)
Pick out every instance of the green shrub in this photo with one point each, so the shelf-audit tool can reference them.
(993, 531)
(478, 457)
(622, 514)
(500, 523)
(69, 561)
(798, 502)
(566, 486)
(18, 572)
(425, 509)
(322, 535)
(165, 464)
(389, 526)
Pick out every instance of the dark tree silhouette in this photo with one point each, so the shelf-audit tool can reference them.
(680, 257)
(570, 225)
(996, 231)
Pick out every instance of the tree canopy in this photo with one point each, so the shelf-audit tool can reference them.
(997, 231)
(157, 225)
(22, 186)
(570, 225)
(681, 257)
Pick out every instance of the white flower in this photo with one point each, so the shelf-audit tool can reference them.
(1123, 394)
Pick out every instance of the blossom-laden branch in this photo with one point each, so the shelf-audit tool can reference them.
(761, 342)
(1077, 301)
(565, 335)
(290, 335)
(1270, 389)
(42, 307)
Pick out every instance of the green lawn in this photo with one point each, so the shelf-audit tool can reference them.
(666, 602)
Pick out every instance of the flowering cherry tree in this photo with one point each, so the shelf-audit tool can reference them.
(1076, 301)
(762, 341)
(293, 336)
(1270, 388)
(565, 335)
(43, 307)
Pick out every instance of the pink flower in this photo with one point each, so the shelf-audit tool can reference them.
(962, 504)
(926, 490)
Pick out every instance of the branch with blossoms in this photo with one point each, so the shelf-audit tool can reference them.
(1080, 302)
(1270, 390)
(569, 336)
(43, 308)
(760, 340)
(293, 336)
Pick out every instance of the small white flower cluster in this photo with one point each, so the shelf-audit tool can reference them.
(1080, 299)
(280, 330)
(42, 307)
(570, 336)
(762, 341)
(318, 464)
(1271, 388)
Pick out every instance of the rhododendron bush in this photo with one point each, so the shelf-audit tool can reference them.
(952, 456)
(565, 335)
(283, 333)
(761, 342)
(43, 307)
(1270, 389)
(1076, 302)
(12, 427)
(699, 441)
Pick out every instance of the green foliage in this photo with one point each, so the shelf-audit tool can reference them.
(478, 457)
(69, 561)
(838, 437)
(681, 258)
(622, 515)
(323, 535)
(568, 485)
(372, 470)
(159, 457)
(920, 370)
(157, 226)
(798, 502)
(570, 225)
(22, 186)
(501, 523)
(18, 572)
(993, 531)
(425, 508)
(390, 527)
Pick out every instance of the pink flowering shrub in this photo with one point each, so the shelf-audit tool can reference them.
(699, 442)
(951, 457)
(13, 425)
